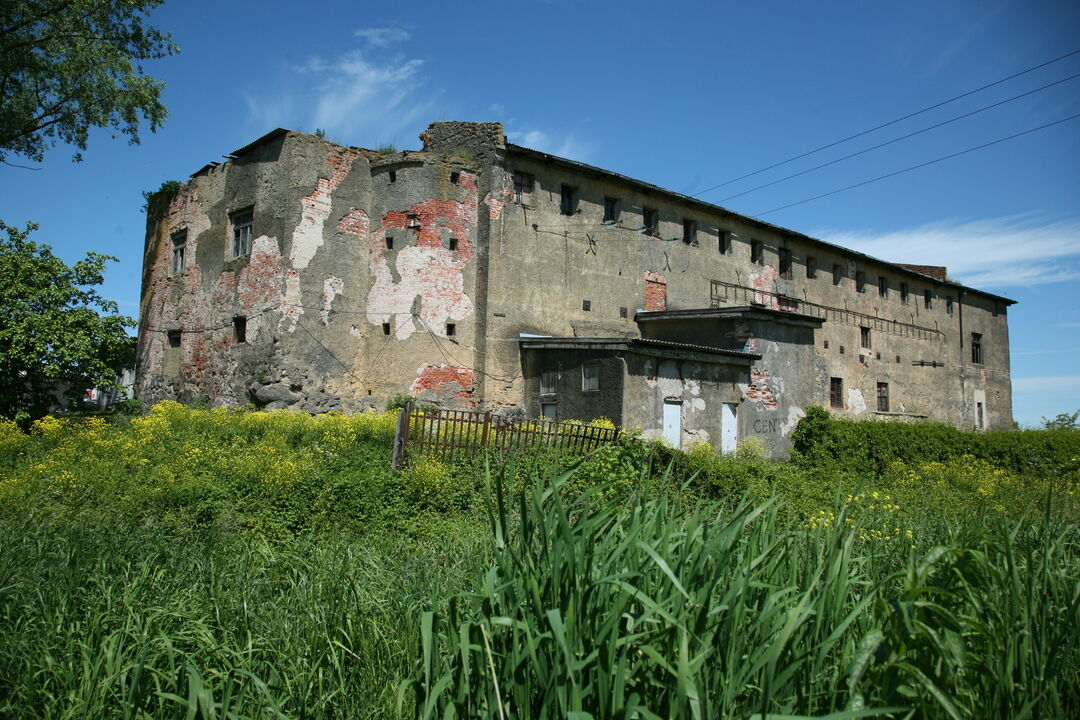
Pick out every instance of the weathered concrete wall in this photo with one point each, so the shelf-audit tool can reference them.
(572, 402)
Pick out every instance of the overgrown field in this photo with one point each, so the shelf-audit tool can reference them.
(213, 564)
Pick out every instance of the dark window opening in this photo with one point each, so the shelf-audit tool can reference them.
(882, 286)
(724, 242)
(523, 185)
(611, 210)
(689, 232)
(860, 281)
(979, 414)
(898, 358)
(650, 219)
(548, 381)
(174, 338)
(590, 377)
(568, 204)
(455, 177)
(452, 243)
(948, 306)
(883, 397)
(864, 337)
(837, 274)
(927, 299)
(623, 312)
(386, 328)
(811, 268)
(826, 344)
(586, 305)
(389, 243)
(450, 329)
(903, 292)
(242, 222)
(393, 176)
(976, 348)
(785, 263)
(836, 393)
(413, 220)
(239, 324)
(841, 349)
(757, 251)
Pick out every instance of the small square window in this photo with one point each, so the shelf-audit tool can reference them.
(242, 222)
(179, 251)
(650, 219)
(860, 281)
(837, 274)
(623, 312)
(386, 328)
(904, 292)
(723, 243)
(864, 337)
(452, 243)
(239, 324)
(976, 348)
(548, 381)
(568, 203)
(586, 305)
(689, 232)
(882, 286)
(927, 299)
(590, 377)
(811, 268)
(451, 329)
(883, 397)
(174, 338)
(455, 177)
(757, 251)
(611, 210)
(785, 263)
(836, 392)
(523, 185)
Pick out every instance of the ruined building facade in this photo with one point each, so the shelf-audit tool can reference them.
(304, 274)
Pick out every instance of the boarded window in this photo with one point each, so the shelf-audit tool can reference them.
(883, 397)
(590, 377)
(242, 222)
(179, 251)
(650, 221)
(611, 210)
(976, 348)
(568, 201)
(836, 392)
(523, 185)
(549, 380)
(785, 263)
(864, 337)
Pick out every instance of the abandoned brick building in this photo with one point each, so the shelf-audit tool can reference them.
(473, 272)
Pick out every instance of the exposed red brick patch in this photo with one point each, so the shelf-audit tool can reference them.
(759, 391)
(934, 271)
(449, 381)
(655, 291)
(765, 283)
(355, 223)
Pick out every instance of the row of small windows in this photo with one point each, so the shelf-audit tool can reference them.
(239, 326)
(590, 379)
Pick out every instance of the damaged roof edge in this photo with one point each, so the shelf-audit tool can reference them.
(744, 218)
(736, 311)
(627, 343)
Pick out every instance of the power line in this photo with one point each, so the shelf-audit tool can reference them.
(896, 140)
(920, 165)
(887, 124)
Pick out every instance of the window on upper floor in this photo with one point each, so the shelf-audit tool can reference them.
(239, 324)
(903, 293)
(723, 243)
(836, 392)
(860, 281)
(976, 348)
(242, 222)
(549, 380)
(179, 251)
(590, 376)
(948, 306)
(882, 286)
(837, 273)
(611, 210)
(689, 232)
(455, 177)
(811, 267)
(523, 185)
(785, 263)
(864, 337)
(883, 397)
(927, 299)
(569, 200)
(757, 251)
(650, 221)
(586, 305)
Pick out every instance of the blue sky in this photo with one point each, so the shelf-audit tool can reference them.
(685, 95)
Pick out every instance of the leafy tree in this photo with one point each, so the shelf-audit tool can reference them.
(55, 329)
(1062, 421)
(70, 65)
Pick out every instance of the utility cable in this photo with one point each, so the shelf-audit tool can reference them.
(896, 140)
(920, 165)
(887, 124)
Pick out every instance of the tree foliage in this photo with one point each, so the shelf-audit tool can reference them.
(55, 329)
(67, 66)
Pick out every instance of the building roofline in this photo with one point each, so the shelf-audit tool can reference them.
(649, 187)
(555, 343)
(738, 311)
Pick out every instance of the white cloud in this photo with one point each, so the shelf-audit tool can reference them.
(566, 146)
(383, 36)
(1000, 252)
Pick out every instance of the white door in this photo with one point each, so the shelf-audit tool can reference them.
(729, 429)
(673, 423)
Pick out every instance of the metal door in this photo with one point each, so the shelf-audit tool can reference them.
(729, 428)
(673, 423)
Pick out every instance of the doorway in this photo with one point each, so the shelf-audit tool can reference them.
(729, 428)
(673, 422)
